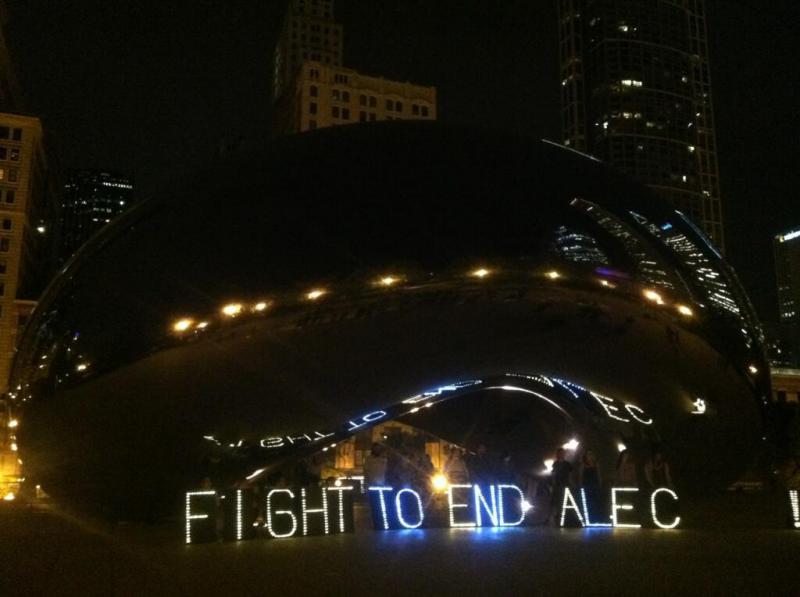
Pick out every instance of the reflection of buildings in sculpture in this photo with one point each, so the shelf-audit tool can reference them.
(313, 90)
(92, 198)
(785, 385)
(578, 247)
(636, 92)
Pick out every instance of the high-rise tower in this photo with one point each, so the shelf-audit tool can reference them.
(636, 92)
(312, 89)
(309, 33)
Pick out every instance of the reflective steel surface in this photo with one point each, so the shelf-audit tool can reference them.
(477, 286)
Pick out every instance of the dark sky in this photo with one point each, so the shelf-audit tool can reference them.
(151, 87)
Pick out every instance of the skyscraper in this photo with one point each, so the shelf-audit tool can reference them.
(92, 198)
(636, 92)
(313, 90)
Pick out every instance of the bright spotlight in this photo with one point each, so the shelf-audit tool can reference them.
(232, 309)
(387, 281)
(685, 311)
(652, 295)
(553, 275)
(259, 307)
(480, 273)
(571, 444)
(182, 325)
(439, 482)
(316, 294)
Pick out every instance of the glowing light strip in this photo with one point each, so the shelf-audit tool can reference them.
(381, 491)
(657, 522)
(399, 509)
(277, 512)
(305, 511)
(568, 497)
(481, 501)
(451, 506)
(189, 516)
(793, 500)
(589, 522)
(238, 514)
(341, 504)
(616, 507)
(526, 391)
(502, 517)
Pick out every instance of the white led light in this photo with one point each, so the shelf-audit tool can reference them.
(633, 409)
(501, 512)
(553, 275)
(586, 516)
(615, 507)
(699, 407)
(255, 474)
(340, 490)
(382, 498)
(305, 511)
(571, 444)
(654, 513)
(573, 505)
(399, 509)
(608, 405)
(621, 447)
(13, 423)
(288, 513)
(482, 505)
(480, 273)
(452, 506)
(238, 514)
(793, 501)
(315, 294)
(189, 516)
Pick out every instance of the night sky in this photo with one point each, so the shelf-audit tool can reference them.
(151, 88)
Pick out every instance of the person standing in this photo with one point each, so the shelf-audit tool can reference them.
(375, 467)
(560, 479)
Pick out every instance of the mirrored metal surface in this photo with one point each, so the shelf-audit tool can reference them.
(292, 292)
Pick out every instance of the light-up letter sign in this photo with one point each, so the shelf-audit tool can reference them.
(201, 516)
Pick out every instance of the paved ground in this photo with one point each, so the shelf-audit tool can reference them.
(44, 552)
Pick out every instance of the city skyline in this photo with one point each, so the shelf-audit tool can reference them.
(506, 82)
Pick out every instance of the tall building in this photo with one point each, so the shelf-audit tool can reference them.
(313, 90)
(636, 92)
(91, 199)
(787, 273)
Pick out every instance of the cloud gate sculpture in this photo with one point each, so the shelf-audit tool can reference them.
(357, 284)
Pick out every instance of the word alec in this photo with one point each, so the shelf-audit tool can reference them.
(280, 513)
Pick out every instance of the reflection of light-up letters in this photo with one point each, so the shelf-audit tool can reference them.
(795, 507)
(399, 508)
(441, 390)
(537, 378)
(569, 503)
(616, 507)
(280, 442)
(608, 405)
(613, 411)
(191, 516)
(453, 506)
(654, 510)
(368, 418)
(633, 410)
(699, 407)
(271, 514)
